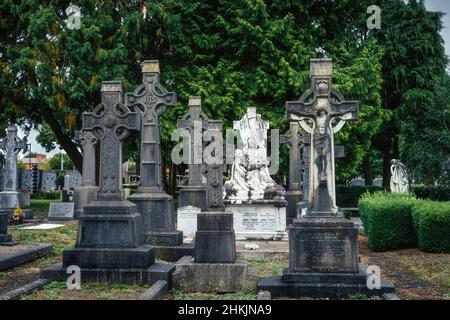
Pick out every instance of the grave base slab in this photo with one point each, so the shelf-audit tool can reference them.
(332, 286)
(174, 253)
(82, 196)
(30, 253)
(132, 276)
(190, 276)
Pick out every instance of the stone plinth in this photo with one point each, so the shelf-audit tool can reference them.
(156, 210)
(9, 200)
(193, 196)
(82, 196)
(24, 199)
(323, 245)
(258, 219)
(323, 262)
(190, 276)
(4, 237)
(214, 240)
(292, 198)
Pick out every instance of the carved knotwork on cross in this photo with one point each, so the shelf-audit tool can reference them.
(151, 99)
(110, 122)
(193, 116)
(322, 112)
(293, 139)
(12, 144)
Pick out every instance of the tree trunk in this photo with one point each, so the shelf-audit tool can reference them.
(367, 170)
(64, 141)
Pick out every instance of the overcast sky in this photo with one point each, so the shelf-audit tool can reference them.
(432, 5)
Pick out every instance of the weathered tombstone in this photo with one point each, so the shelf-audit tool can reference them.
(256, 201)
(294, 141)
(48, 181)
(26, 180)
(399, 177)
(9, 197)
(110, 246)
(84, 194)
(323, 253)
(72, 180)
(187, 220)
(194, 193)
(357, 182)
(59, 211)
(377, 182)
(151, 100)
(213, 268)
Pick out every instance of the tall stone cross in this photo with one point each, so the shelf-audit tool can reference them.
(214, 176)
(193, 116)
(327, 111)
(88, 141)
(151, 99)
(294, 141)
(111, 121)
(12, 145)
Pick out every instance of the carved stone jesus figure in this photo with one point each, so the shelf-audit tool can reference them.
(258, 177)
(321, 142)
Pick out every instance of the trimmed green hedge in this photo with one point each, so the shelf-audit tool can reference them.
(387, 220)
(440, 192)
(432, 225)
(348, 196)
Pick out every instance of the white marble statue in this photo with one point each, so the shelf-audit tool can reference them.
(250, 172)
(399, 177)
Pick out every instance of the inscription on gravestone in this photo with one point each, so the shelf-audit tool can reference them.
(61, 211)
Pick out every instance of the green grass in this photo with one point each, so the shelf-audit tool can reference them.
(41, 205)
(268, 268)
(362, 297)
(101, 291)
(61, 238)
(178, 295)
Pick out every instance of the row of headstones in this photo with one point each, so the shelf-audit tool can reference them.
(36, 180)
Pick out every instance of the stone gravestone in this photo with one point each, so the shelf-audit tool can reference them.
(110, 246)
(358, 182)
(26, 180)
(446, 165)
(151, 100)
(194, 193)
(187, 220)
(61, 211)
(294, 141)
(9, 197)
(323, 254)
(213, 267)
(256, 201)
(48, 181)
(377, 182)
(72, 180)
(84, 194)
(2, 181)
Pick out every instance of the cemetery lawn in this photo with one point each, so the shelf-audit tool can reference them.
(416, 274)
(39, 206)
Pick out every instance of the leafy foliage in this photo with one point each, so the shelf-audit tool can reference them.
(432, 224)
(387, 220)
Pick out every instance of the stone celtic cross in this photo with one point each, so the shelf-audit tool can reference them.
(294, 141)
(88, 141)
(152, 100)
(12, 145)
(111, 121)
(188, 121)
(327, 111)
(214, 175)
